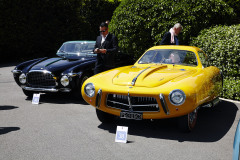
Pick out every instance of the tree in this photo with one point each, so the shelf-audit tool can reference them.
(32, 29)
(140, 24)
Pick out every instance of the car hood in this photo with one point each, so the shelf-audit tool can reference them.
(151, 76)
(58, 64)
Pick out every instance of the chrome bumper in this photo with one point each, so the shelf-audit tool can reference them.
(46, 89)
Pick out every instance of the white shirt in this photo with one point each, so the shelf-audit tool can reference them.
(103, 39)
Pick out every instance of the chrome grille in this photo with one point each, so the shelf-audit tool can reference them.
(130, 103)
(40, 79)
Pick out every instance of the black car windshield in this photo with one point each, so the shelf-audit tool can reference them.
(75, 50)
(169, 56)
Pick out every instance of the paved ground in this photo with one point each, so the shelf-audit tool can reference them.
(61, 128)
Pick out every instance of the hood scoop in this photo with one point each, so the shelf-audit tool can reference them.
(151, 76)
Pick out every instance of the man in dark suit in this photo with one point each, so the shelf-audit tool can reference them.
(106, 47)
(171, 37)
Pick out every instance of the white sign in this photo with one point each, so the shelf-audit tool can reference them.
(121, 134)
(36, 98)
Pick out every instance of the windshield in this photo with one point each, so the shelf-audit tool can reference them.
(76, 50)
(169, 56)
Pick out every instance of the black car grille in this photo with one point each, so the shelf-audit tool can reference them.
(135, 104)
(40, 79)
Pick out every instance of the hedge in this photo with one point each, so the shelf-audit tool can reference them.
(140, 24)
(222, 45)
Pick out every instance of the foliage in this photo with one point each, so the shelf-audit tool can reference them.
(36, 28)
(140, 24)
(235, 4)
(221, 43)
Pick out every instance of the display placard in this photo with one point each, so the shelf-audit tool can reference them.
(121, 134)
(36, 98)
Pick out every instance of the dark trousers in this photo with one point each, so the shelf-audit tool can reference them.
(99, 69)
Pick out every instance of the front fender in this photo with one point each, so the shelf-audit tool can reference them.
(28, 64)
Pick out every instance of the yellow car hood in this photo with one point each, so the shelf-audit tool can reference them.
(151, 76)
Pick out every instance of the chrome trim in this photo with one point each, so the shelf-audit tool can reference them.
(44, 71)
(170, 96)
(98, 98)
(208, 105)
(85, 90)
(130, 103)
(74, 74)
(46, 89)
(135, 79)
(215, 101)
(131, 108)
(117, 103)
(16, 71)
(164, 104)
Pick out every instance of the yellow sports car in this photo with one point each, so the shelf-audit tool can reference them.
(166, 82)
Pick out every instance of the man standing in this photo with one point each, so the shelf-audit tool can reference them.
(171, 37)
(105, 47)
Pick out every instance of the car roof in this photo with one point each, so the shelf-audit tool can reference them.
(180, 47)
(82, 41)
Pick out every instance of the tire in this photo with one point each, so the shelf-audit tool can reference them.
(104, 117)
(77, 93)
(28, 93)
(187, 122)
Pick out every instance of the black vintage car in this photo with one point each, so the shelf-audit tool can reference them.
(65, 73)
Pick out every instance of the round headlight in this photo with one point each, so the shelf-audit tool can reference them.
(64, 81)
(89, 90)
(177, 97)
(22, 78)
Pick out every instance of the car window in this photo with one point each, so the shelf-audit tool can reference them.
(169, 56)
(190, 58)
(77, 49)
(203, 58)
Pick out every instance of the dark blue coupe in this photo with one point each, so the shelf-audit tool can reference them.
(66, 73)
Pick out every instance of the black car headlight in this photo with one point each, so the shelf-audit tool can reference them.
(89, 90)
(22, 78)
(177, 97)
(64, 81)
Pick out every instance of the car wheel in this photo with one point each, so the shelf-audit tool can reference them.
(28, 93)
(78, 93)
(104, 117)
(187, 123)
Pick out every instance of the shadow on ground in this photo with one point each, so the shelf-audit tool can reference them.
(59, 98)
(6, 107)
(212, 125)
(5, 130)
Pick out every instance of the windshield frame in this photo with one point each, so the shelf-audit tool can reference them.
(76, 49)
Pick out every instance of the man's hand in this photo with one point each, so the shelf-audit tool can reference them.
(103, 51)
(97, 50)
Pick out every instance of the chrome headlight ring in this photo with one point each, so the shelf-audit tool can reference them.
(177, 97)
(89, 89)
(22, 78)
(65, 80)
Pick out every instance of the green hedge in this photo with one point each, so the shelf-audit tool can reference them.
(222, 45)
(140, 24)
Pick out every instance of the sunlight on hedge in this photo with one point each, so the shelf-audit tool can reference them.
(222, 45)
